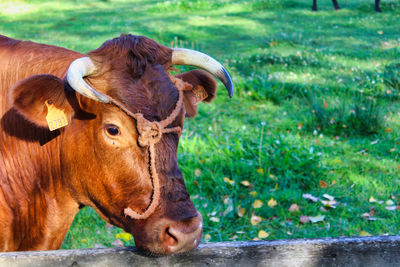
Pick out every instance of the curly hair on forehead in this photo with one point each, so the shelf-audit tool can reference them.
(135, 52)
(135, 68)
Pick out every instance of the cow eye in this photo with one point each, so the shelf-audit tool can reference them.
(112, 130)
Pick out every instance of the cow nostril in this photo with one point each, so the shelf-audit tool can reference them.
(169, 238)
(183, 235)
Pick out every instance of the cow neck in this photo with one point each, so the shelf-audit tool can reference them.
(150, 133)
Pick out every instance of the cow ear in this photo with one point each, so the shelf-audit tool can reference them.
(199, 86)
(29, 97)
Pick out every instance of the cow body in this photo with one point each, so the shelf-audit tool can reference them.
(46, 177)
(35, 208)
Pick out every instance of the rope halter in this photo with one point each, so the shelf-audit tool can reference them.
(150, 133)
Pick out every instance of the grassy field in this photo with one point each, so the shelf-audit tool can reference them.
(316, 110)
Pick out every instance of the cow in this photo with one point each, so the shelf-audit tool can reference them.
(101, 130)
(337, 7)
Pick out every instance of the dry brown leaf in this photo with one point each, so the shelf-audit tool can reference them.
(253, 193)
(255, 219)
(364, 233)
(197, 172)
(304, 219)
(331, 198)
(207, 237)
(294, 208)
(229, 181)
(257, 204)
(318, 218)
(245, 183)
(241, 212)
(118, 243)
(214, 219)
(310, 197)
(272, 203)
(323, 184)
(262, 234)
(329, 203)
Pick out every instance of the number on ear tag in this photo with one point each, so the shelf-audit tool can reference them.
(200, 93)
(56, 117)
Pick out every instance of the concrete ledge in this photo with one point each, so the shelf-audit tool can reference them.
(349, 251)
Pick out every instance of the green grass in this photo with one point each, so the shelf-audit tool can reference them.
(317, 100)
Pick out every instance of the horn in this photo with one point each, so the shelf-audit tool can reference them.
(182, 56)
(78, 69)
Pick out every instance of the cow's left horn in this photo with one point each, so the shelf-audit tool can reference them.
(182, 56)
(78, 69)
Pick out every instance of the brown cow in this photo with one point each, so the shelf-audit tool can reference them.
(118, 153)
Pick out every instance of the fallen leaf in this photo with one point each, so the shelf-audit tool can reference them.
(255, 219)
(253, 193)
(304, 219)
(245, 183)
(323, 184)
(325, 104)
(389, 202)
(124, 236)
(310, 197)
(260, 171)
(366, 215)
(299, 125)
(257, 204)
(234, 237)
(197, 172)
(294, 207)
(328, 197)
(241, 212)
(229, 181)
(373, 200)
(364, 233)
(229, 208)
(214, 219)
(318, 218)
(329, 204)
(273, 177)
(207, 237)
(388, 130)
(272, 203)
(118, 243)
(276, 186)
(262, 234)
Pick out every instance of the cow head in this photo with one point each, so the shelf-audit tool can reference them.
(103, 164)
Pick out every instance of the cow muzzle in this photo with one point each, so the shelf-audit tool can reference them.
(172, 236)
(177, 237)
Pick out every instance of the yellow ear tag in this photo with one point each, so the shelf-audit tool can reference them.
(56, 118)
(200, 93)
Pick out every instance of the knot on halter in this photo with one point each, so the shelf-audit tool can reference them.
(150, 132)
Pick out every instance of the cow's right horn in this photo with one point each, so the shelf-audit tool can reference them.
(78, 69)
(183, 56)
